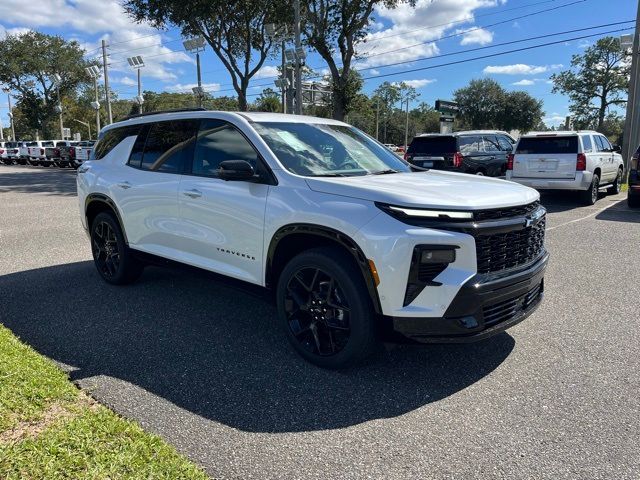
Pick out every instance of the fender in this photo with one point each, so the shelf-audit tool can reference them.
(334, 235)
(104, 199)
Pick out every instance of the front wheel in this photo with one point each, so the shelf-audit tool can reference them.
(112, 257)
(325, 308)
(617, 184)
(590, 195)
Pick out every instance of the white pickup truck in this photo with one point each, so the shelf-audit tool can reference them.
(82, 153)
(36, 152)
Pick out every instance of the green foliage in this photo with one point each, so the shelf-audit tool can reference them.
(344, 89)
(598, 80)
(335, 27)
(485, 104)
(234, 30)
(26, 61)
(269, 101)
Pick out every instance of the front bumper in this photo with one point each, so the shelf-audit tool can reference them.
(484, 306)
(582, 181)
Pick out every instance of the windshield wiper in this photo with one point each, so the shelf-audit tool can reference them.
(329, 175)
(385, 172)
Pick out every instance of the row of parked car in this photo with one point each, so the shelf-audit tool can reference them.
(46, 153)
(582, 161)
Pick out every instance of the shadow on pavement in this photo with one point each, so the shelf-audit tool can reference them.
(620, 213)
(218, 352)
(49, 181)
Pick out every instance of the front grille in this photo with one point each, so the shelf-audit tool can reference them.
(500, 213)
(428, 271)
(503, 311)
(502, 251)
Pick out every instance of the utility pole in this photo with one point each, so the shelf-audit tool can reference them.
(298, 72)
(1, 130)
(377, 116)
(284, 76)
(106, 82)
(406, 128)
(631, 137)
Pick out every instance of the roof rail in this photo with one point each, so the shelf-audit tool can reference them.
(175, 110)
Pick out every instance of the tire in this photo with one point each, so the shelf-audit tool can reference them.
(113, 259)
(480, 173)
(323, 282)
(590, 195)
(617, 184)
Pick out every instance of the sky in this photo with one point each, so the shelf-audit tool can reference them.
(417, 40)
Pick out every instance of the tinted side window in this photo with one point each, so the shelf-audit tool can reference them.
(135, 157)
(169, 146)
(605, 143)
(599, 145)
(469, 145)
(587, 146)
(505, 144)
(491, 144)
(111, 138)
(219, 141)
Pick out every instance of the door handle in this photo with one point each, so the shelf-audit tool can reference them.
(193, 193)
(124, 185)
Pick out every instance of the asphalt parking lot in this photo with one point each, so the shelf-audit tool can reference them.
(203, 364)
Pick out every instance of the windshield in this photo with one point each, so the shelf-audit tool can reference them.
(328, 150)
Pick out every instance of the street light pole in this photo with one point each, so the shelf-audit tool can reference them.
(298, 71)
(139, 92)
(86, 124)
(196, 45)
(13, 130)
(406, 127)
(60, 111)
(631, 137)
(94, 72)
(284, 76)
(137, 63)
(377, 116)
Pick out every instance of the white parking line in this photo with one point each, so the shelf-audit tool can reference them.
(585, 217)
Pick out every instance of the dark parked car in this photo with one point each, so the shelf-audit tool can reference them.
(633, 195)
(467, 152)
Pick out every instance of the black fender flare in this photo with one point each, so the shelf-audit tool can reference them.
(105, 199)
(325, 232)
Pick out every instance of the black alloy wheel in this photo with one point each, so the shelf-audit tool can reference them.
(317, 312)
(104, 245)
(617, 184)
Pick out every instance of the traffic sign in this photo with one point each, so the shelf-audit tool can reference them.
(445, 106)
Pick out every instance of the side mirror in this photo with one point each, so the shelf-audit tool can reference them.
(237, 170)
(617, 149)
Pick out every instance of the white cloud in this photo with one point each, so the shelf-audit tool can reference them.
(374, 71)
(524, 82)
(187, 87)
(418, 83)
(106, 18)
(267, 71)
(409, 29)
(12, 31)
(521, 69)
(130, 82)
(555, 119)
(477, 36)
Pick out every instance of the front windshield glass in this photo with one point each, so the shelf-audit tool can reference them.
(321, 150)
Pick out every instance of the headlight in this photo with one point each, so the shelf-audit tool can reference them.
(437, 214)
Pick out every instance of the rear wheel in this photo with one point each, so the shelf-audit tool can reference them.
(481, 173)
(617, 184)
(113, 259)
(325, 309)
(590, 195)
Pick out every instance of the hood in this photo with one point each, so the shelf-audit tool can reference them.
(431, 189)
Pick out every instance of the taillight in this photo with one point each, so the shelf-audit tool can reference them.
(634, 161)
(1, 151)
(56, 152)
(457, 159)
(42, 151)
(510, 161)
(581, 162)
(72, 152)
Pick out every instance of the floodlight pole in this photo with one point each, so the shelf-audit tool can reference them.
(631, 136)
(284, 76)
(95, 87)
(106, 81)
(298, 72)
(406, 127)
(199, 79)
(377, 116)
(60, 111)
(139, 92)
(13, 130)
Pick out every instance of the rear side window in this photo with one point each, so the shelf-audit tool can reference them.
(432, 145)
(111, 138)
(560, 144)
(505, 143)
(219, 141)
(587, 146)
(469, 145)
(491, 144)
(169, 146)
(47, 144)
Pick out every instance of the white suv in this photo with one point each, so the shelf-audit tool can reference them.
(353, 243)
(582, 160)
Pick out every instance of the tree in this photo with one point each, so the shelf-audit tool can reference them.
(481, 103)
(337, 27)
(485, 104)
(346, 91)
(598, 80)
(234, 30)
(385, 96)
(521, 112)
(269, 101)
(27, 61)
